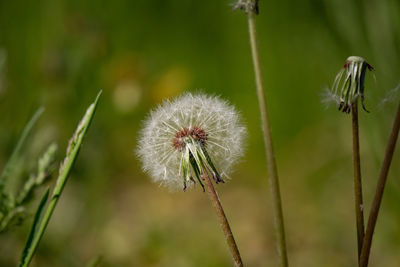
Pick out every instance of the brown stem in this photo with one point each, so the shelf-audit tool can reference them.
(357, 180)
(223, 220)
(373, 216)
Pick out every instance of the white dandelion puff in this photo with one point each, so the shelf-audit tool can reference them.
(188, 137)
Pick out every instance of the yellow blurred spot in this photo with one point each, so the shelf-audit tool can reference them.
(115, 240)
(171, 83)
(127, 95)
(121, 68)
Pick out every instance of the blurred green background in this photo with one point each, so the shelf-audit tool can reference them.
(58, 54)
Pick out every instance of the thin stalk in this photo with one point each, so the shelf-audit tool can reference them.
(380, 187)
(357, 180)
(223, 220)
(271, 163)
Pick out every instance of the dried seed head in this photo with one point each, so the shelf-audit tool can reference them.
(349, 87)
(247, 6)
(188, 137)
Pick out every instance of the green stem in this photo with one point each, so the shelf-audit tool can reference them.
(357, 179)
(380, 187)
(271, 163)
(223, 220)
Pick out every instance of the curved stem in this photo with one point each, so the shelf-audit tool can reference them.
(357, 180)
(271, 163)
(380, 187)
(223, 220)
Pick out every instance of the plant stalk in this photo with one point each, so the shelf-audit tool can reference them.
(223, 220)
(357, 179)
(380, 187)
(271, 163)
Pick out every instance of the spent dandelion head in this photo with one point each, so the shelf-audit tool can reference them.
(247, 6)
(348, 85)
(188, 137)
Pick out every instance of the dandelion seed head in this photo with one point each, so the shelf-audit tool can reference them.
(348, 85)
(191, 130)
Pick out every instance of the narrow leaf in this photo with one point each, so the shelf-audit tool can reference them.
(28, 245)
(65, 168)
(17, 150)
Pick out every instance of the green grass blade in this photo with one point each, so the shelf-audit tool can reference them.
(73, 147)
(65, 168)
(17, 150)
(28, 245)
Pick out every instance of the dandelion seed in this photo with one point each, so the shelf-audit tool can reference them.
(191, 136)
(390, 96)
(348, 85)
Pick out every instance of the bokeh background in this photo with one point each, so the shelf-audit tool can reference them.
(59, 54)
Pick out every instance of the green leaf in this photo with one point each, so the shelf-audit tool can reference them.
(34, 228)
(17, 150)
(65, 168)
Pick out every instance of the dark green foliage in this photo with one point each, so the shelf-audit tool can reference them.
(13, 209)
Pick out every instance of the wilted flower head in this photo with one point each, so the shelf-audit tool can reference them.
(247, 6)
(348, 88)
(191, 136)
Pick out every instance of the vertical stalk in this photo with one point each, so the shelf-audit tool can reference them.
(357, 180)
(271, 163)
(380, 187)
(223, 221)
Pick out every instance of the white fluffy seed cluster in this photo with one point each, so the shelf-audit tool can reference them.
(220, 121)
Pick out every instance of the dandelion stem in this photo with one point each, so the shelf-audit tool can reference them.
(223, 220)
(357, 179)
(271, 163)
(373, 216)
